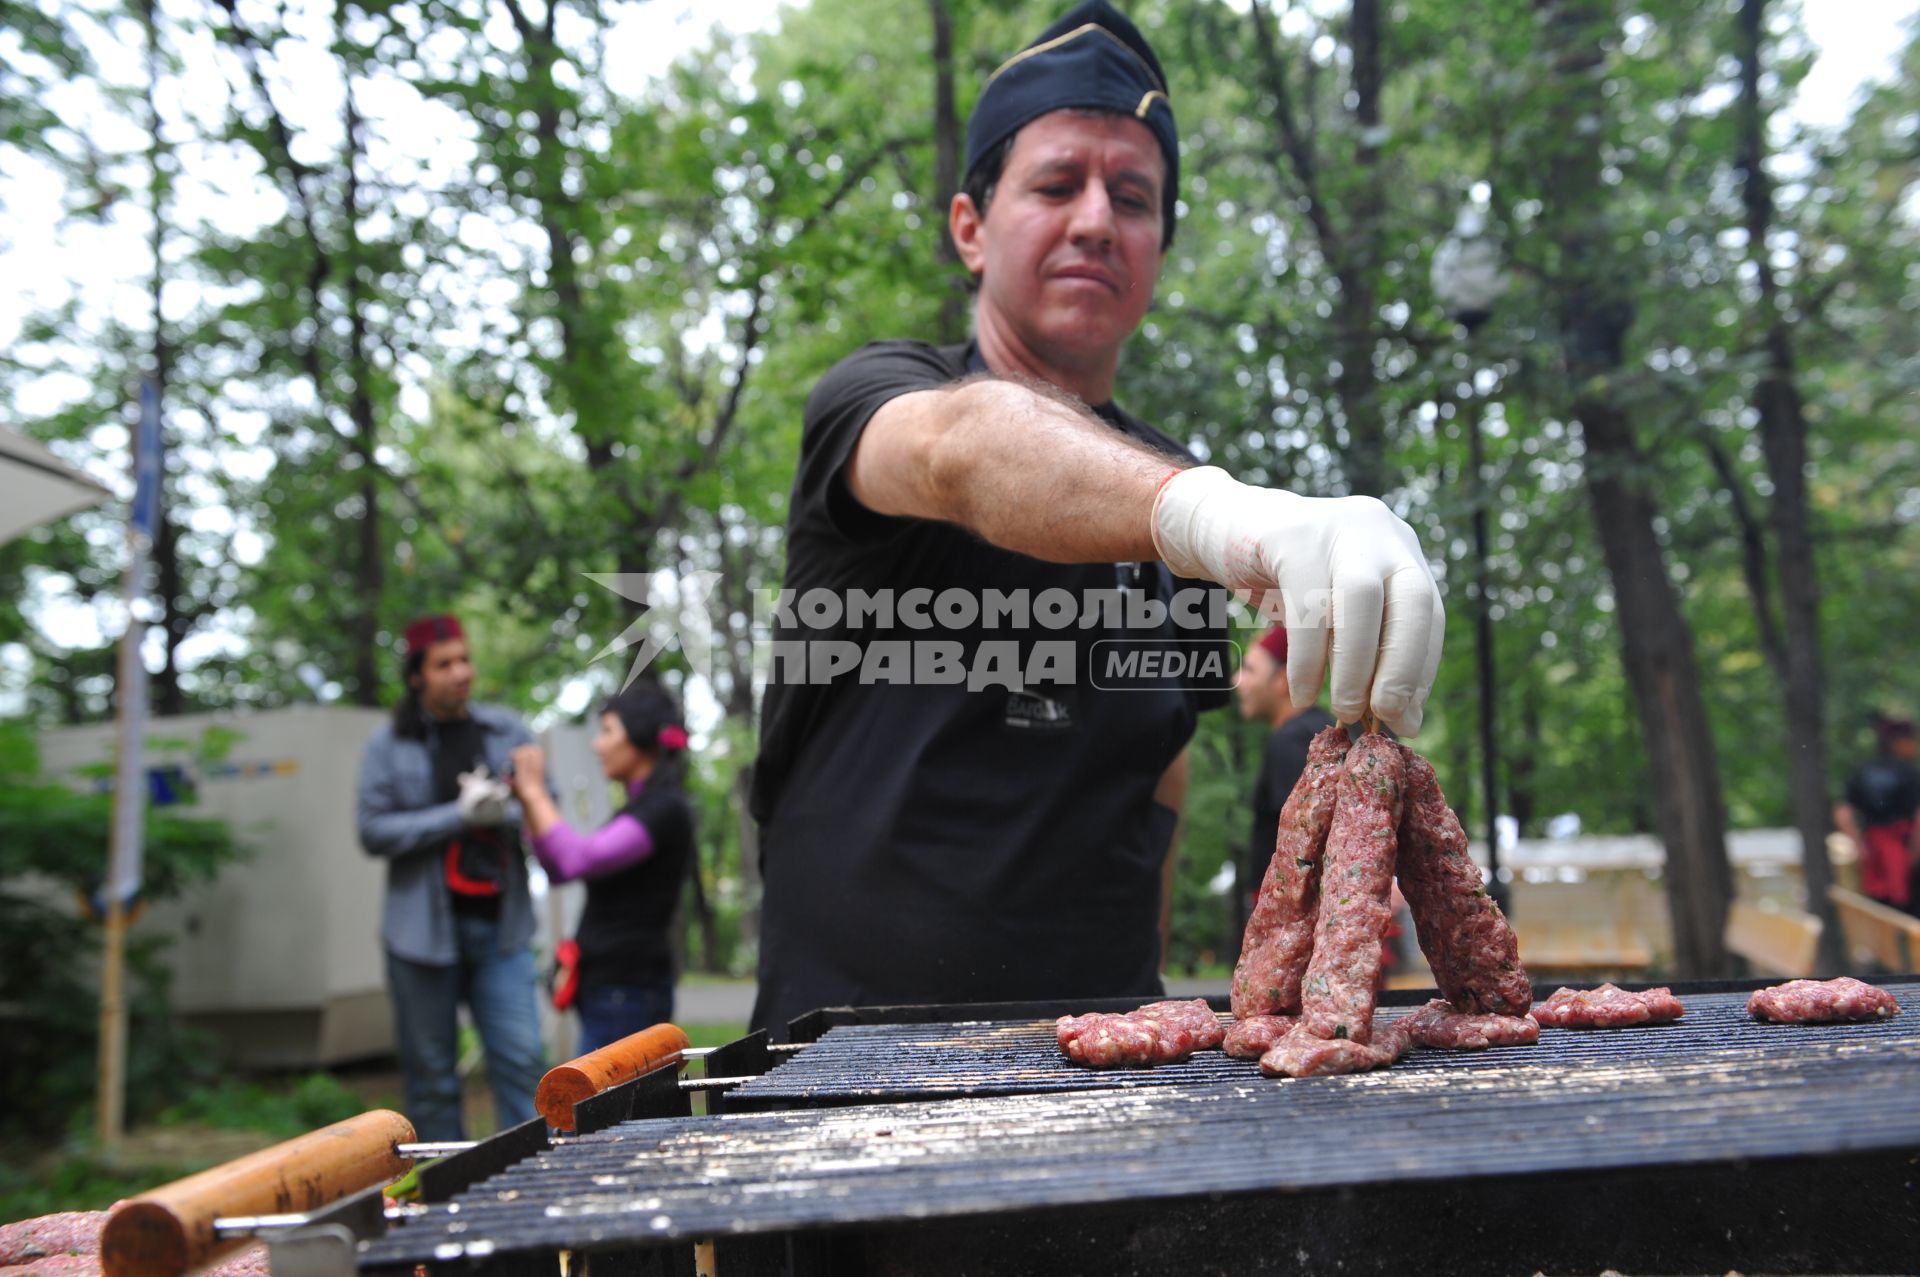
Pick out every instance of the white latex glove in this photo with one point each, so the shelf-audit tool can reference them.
(1355, 585)
(483, 798)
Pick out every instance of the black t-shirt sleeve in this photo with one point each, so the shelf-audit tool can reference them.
(838, 410)
(664, 814)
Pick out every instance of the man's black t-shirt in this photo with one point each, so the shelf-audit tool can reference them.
(1281, 761)
(1884, 791)
(475, 861)
(623, 927)
(928, 841)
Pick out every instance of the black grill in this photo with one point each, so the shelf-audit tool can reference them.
(864, 1063)
(1710, 1144)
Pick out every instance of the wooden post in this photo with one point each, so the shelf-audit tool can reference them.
(128, 836)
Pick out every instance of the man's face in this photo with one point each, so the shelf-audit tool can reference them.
(446, 678)
(1260, 684)
(1069, 250)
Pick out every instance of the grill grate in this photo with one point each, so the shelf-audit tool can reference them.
(1720, 1091)
(863, 1063)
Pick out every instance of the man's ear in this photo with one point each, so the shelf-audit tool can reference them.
(966, 224)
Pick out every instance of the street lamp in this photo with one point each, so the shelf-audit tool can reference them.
(1468, 280)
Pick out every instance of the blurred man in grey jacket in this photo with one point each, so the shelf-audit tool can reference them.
(458, 923)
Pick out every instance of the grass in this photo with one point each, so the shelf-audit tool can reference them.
(33, 1184)
(713, 1034)
(213, 1124)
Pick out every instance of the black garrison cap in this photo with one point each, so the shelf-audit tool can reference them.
(1092, 58)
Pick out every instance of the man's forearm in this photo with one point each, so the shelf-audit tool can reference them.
(1018, 466)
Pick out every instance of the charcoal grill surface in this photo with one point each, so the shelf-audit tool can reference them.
(1714, 1090)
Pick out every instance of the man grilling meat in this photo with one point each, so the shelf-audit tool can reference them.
(954, 806)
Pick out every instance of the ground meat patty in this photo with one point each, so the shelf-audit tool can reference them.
(70, 1232)
(1437, 1024)
(1301, 1054)
(1473, 952)
(1337, 996)
(1158, 1033)
(1279, 935)
(1822, 1002)
(1608, 1007)
(1253, 1037)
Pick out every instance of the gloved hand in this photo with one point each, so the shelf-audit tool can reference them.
(1353, 580)
(483, 797)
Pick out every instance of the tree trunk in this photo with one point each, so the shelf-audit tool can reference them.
(1594, 312)
(175, 620)
(549, 163)
(1783, 441)
(1753, 559)
(369, 566)
(1365, 455)
(946, 173)
(1521, 768)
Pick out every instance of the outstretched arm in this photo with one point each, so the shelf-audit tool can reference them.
(1032, 471)
(1019, 464)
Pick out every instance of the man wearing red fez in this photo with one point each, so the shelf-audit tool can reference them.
(458, 923)
(1266, 697)
(1000, 836)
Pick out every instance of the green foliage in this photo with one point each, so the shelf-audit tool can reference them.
(276, 1109)
(30, 1185)
(37, 1179)
(53, 846)
(1219, 814)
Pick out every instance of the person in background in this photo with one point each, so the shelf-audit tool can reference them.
(458, 923)
(1264, 696)
(1881, 814)
(634, 865)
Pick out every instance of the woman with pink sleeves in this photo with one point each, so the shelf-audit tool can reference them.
(633, 865)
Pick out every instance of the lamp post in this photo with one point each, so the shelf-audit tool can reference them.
(1468, 280)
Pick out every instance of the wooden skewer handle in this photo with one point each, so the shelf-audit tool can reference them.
(567, 1084)
(169, 1231)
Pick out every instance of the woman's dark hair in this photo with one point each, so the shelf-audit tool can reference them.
(653, 723)
(409, 719)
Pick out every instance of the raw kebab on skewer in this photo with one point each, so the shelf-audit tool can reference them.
(1304, 989)
(1390, 818)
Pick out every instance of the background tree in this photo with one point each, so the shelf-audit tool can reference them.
(455, 312)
